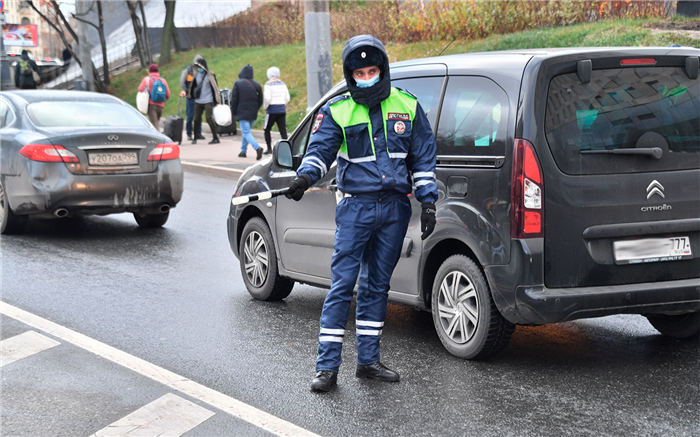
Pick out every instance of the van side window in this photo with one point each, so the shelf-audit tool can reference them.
(427, 89)
(302, 137)
(473, 120)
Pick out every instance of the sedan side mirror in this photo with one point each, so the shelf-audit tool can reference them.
(282, 154)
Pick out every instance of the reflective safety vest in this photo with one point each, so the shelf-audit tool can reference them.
(398, 112)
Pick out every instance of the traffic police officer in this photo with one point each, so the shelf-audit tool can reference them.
(384, 145)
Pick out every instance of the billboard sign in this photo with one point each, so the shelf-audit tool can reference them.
(22, 35)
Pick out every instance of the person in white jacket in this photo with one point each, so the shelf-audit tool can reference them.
(275, 99)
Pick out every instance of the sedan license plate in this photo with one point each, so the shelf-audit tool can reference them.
(652, 250)
(113, 158)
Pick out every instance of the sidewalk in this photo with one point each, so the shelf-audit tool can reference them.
(220, 159)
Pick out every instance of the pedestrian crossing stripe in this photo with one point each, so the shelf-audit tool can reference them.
(169, 415)
(24, 345)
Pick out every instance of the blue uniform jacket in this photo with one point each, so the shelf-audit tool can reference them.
(385, 174)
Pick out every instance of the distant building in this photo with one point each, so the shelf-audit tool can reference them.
(20, 12)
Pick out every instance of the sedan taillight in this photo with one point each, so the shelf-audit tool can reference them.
(164, 152)
(48, 153)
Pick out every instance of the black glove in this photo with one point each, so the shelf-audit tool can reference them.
(427, 220)
(297, 187)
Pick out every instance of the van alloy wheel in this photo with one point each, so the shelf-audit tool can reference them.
(465, 317)
(258, 261)
(458, 307)
(255, 256)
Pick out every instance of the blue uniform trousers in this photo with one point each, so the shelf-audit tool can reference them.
(370, 229)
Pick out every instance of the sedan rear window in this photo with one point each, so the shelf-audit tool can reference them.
(594, 128)
(80, 114)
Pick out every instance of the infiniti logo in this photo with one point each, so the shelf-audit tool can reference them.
(655, 188)
(115, 138)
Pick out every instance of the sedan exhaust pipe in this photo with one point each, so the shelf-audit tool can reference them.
(164, 208)
(61, 212)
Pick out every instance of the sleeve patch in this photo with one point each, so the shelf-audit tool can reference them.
(317, 123)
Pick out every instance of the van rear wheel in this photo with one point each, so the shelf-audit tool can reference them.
(677, 326)
(464, 314)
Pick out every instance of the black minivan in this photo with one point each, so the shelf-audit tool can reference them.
(569, 184)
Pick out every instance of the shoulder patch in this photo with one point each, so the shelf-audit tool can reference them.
(407, 92)
(317, 123)
(339, 98)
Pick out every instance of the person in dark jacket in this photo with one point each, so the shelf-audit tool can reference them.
(204, 89)
(186, 78)
(383, 145)
(24, 76)
(246, 99)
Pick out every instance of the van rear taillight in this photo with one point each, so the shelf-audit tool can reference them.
(527, 193)
(47, 153)
(164, 152)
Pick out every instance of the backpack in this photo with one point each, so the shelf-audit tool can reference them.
(158, 93)
(24, 68)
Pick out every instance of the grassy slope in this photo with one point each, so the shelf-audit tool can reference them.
(227, 63)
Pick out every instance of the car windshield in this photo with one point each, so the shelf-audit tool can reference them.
(84, 113)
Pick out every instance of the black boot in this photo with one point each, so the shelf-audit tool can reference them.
(258, 154)
(267, 152)
(377, 371)
(324, 380)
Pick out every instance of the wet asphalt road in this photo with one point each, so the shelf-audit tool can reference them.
(175, 297)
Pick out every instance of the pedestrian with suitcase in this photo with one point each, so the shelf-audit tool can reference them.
(186, 78)
(246, 100)
(276, 97)
(204, 89)
(158, 94)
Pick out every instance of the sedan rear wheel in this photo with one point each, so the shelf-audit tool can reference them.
(677, 326)
(258, 260)
(464, 314)
(151, 220)
(9, 222)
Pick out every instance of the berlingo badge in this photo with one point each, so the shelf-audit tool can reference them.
(399, 127)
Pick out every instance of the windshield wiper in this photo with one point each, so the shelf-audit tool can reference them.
(653, 152)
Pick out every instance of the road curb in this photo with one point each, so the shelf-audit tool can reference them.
(212, 170)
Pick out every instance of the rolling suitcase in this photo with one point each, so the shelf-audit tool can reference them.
(174, 125)
(225, 95)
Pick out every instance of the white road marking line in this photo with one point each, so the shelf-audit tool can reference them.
(24, 345)
(207, 395)
(169, 415)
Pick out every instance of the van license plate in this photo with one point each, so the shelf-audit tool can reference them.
(652, 250)
(112, 158)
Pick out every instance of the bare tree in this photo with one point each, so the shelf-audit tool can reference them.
(138, 32)
(168, 31)
(101, 32)
(146, 34)
(59, 23)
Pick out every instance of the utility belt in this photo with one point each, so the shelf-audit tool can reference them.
(380, 196)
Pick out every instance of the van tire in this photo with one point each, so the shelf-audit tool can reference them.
(486, 332)
(257, 246)
(677, 326)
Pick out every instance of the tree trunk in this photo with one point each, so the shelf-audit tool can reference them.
(137, 33)
(59, 31)
(146, 34)
(103, 43)
(167, 34)
(176, 39)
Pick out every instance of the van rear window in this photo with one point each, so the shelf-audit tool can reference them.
(588, 126)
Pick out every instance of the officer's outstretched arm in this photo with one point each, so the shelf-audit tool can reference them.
(422, 158)
(326, 139)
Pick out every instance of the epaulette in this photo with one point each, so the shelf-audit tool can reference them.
(407, 92)
(339, 98)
